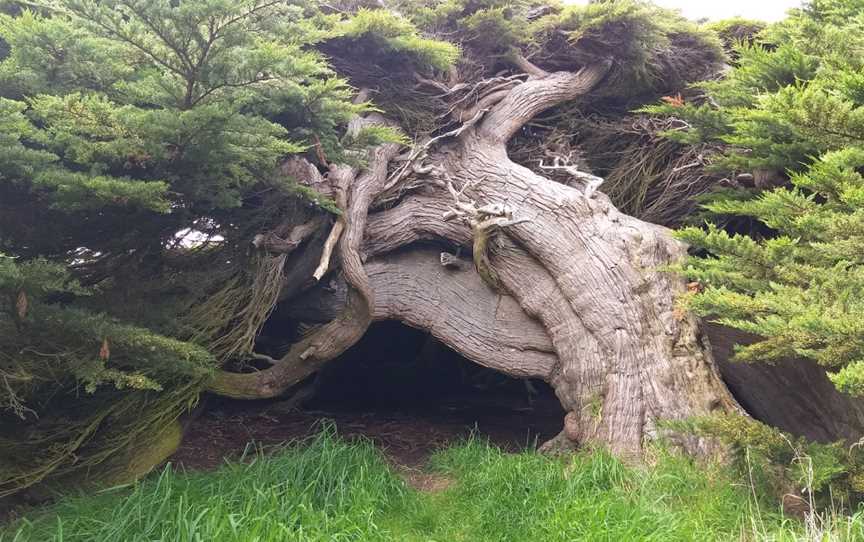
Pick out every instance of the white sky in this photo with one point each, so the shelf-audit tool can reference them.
(766, 10)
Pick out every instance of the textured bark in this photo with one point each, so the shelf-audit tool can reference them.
(577, 295)
(414, 288)
(591, 277)
(354, 195)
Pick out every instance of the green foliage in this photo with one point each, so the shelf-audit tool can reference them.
(794, 92)
(800, 289)
(701, 122)
(496, 29)
(736, 30)
(375, 135)
(824, 474)
(761, 69)
(632, 28)
(178, 113)
(392, 32)
(326, 489)
(64, 370)
(651, 46)
(788, 107)
(18, 160)
(754, 107)
(56, 53)
(440, 17)
(123, 124)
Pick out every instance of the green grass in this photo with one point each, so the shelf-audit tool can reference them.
(329, 490)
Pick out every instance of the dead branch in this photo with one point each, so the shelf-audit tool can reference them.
(525, 101)
(327, 253)
(592, 182)
(420, 152)
(432, 83)
(484, 220)
(272, 242)
(527, 66)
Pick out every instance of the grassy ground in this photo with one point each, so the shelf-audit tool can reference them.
(330, 490)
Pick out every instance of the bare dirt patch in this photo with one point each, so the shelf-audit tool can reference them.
(407, 436)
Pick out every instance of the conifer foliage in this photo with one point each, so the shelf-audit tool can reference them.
(791, 114)
(136, 141)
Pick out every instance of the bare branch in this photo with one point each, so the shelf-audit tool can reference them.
(535, 95)
(592, 182)
(239, 84)
(418, 153)
(484, 104)
(527, 66)
(263, 357)
(432, 83)
(329, 244)
(275, 243)
(482, 218)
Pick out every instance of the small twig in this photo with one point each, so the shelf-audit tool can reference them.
(527, 66)
(263, 357)
(592, 181)
(420, 151)
(687, 166)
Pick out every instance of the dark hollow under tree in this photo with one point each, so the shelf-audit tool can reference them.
(399, 379)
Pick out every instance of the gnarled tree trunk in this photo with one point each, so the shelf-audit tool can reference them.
(563, 286)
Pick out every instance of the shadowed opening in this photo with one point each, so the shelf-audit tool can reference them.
(395, 368)
(398, 386)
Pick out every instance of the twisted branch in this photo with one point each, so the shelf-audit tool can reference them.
(592, 182)
(484, 221)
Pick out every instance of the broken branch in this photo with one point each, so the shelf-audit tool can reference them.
(327, 252)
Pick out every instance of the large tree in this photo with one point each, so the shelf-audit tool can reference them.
(173, 171)
(543, 254)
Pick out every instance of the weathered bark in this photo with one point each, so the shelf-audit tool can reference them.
(592, 277)
(354, 195)
(619, 355)
(414, 288)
